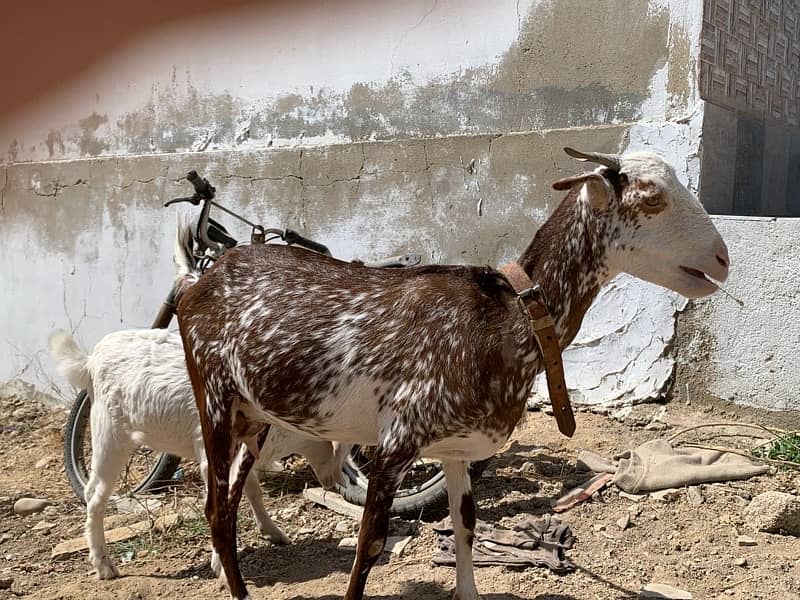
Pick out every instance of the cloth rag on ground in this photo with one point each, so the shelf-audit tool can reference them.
(533, 542)
(657, 465)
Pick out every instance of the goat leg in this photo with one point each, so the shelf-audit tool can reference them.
(108, 460)
(246, 479)
(267, 527)
(237, 478)
(386, 474)
(216, 422)
(462, 513)
(221, 520)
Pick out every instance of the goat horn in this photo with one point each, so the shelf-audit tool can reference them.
(608, 160)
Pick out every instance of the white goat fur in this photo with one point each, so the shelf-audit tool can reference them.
(141, 394)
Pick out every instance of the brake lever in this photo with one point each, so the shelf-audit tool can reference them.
(193, 199)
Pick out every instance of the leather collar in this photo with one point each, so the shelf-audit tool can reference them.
(533, 303)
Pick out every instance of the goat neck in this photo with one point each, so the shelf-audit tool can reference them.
(567, 258)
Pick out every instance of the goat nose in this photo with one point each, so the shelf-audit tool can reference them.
(722, 254)
(724, 261)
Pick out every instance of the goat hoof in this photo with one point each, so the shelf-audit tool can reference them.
(216, 567)
(216, 564)
(222, 582)
(279, 538)
(106, 569)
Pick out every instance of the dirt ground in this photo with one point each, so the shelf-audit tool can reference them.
(691, 547)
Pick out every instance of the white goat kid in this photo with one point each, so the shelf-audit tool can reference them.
(141, 394)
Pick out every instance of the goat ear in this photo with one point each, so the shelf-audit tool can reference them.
(594, 188)
(570, 182)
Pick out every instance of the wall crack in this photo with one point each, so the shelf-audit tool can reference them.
(125, 186)
(428, 165)
(407, 31)
(57, 187)
(303, 217)
(3, 190)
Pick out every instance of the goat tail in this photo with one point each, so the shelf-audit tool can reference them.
(186, 271)
(71, 361)
(183, 257)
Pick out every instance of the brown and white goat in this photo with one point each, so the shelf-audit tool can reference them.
(434, 361)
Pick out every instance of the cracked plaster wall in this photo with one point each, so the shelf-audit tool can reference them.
(372, 159)
(92, 243)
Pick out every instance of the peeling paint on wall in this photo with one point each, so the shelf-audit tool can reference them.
(680, 72)
(620, 355)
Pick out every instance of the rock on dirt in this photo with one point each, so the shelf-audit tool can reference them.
(746, 540)
(343, 527)
(694, 495)
(45, 462)
(633, 497)
(667, 495)
(43, 526)
(395, 544)
(775, 512)
(656, 426)
(661, 590)
(30, 506)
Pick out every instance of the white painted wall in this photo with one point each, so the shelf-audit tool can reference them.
(265, 51)
(750, 354)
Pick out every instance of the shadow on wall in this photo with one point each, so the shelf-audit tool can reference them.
(750, 166)
(51, 42)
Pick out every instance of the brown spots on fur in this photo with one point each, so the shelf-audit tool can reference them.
(468, 515)
(646, 196)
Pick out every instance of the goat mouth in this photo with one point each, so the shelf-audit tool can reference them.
(698, 274)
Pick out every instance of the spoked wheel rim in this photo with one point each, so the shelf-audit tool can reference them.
(423, 475)
(144, 471)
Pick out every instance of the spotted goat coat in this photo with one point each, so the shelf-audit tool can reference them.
(433, 361)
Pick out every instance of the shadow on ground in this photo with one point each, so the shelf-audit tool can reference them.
(303, 560)
(432, 591)
(510, 491)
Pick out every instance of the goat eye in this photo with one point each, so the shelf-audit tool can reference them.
(654, 201)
